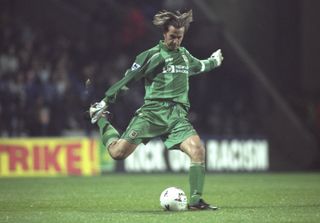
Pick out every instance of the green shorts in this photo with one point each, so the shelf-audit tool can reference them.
(163, 119)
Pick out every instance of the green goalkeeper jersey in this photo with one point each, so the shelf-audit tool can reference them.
(165, 72)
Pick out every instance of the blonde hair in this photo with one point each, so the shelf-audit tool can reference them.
(165, 19)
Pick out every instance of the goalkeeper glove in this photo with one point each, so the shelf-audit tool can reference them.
(97, 110)
(217, 56)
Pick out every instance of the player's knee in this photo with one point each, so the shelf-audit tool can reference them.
(117, 153)
(121, 149)
(197, 153)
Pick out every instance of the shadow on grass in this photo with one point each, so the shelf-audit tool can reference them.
(272, 206)
(159, 212)
(152, 212)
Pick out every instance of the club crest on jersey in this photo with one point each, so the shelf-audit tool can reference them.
(135, 66)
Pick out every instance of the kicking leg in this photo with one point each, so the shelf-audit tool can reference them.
(121, 149)
(118, 148)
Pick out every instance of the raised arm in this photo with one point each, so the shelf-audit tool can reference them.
(199, 66)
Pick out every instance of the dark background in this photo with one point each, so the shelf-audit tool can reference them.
(268, 86)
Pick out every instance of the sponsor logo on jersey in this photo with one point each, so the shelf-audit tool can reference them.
(176, 69)
(135, 66)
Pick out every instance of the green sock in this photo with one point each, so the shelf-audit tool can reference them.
(108, 132)
(196, 180)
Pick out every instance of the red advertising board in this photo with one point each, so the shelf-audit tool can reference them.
(48, 157)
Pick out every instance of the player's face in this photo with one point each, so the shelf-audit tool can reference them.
(173, 37)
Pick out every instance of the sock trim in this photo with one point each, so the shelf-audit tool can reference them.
(111, 140)
(197, 164)
(102, 123)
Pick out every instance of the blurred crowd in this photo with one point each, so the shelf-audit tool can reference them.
(43, 75)
(37, 88)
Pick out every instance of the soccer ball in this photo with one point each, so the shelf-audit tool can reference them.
(173, 199)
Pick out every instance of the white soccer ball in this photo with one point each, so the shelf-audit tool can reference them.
(173, 199)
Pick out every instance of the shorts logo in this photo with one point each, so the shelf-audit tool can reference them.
(133, 134)
(135, 66)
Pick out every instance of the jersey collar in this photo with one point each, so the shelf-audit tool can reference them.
(164, 47)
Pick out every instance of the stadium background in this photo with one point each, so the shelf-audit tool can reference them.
(259, 112)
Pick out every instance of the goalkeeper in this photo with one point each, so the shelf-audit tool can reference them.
(165, 69)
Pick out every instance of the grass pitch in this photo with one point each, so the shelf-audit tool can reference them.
(134, 198)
